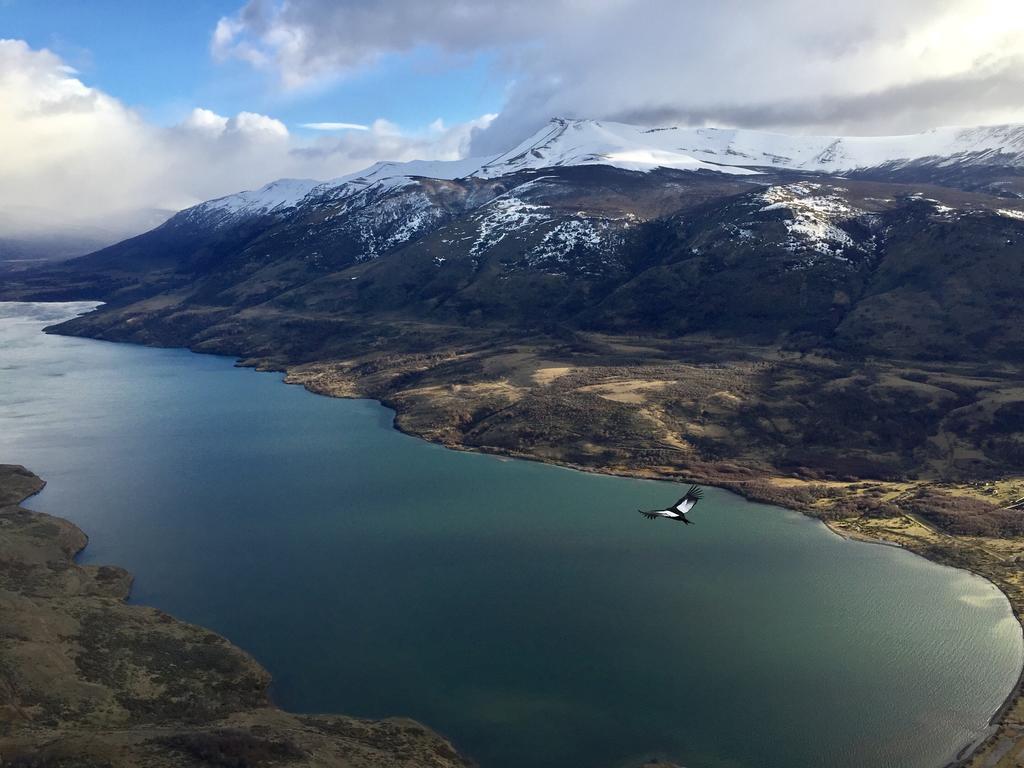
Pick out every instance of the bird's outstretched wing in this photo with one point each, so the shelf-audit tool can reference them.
(651, 514)
(694, 494)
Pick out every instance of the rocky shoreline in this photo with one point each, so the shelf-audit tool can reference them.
(88, 681)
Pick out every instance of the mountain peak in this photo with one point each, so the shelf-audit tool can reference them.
(570, 142)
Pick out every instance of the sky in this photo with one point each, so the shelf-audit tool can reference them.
(109, 108)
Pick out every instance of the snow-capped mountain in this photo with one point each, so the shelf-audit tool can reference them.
(574, 143)
(557, 201)
(589, 142)
(571, 142)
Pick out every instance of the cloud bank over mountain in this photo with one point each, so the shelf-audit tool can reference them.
(75, 154)
(871, 67)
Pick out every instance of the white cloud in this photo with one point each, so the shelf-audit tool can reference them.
(386, 141)
(223, 45)
(73, 153)
(306, 42)
(336, 126)
(206, 120)
(257, 125)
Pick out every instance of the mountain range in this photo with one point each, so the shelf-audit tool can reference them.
(904, 246)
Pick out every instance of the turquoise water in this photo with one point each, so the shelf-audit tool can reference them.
(525, 611)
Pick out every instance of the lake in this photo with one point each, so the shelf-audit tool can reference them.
(525, 611)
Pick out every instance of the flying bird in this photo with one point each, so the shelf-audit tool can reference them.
(678, 510)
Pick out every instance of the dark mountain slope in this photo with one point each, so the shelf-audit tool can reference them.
(797, 259)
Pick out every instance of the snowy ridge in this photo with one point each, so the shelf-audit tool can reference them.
(284, 194)
(589, 142)
(580, 142)
(1000, 145)
(567, 143)
(401, 173)
(277, 195)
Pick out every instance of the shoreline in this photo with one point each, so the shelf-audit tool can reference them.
(970, 750)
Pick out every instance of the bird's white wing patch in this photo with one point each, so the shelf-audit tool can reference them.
(685, 506)
(666, 513)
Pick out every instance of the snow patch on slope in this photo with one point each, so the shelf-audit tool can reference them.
(378, 224)
(940, 209)
(503, 216)
(586, 244)
(814, 218)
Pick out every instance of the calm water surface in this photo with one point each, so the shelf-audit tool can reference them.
(525, 611)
